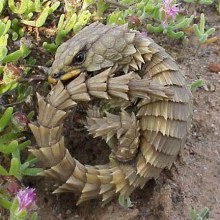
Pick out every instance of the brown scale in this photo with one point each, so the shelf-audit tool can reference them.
(145, 137)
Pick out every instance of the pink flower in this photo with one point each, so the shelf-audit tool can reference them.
(169, 10)
(26, 199)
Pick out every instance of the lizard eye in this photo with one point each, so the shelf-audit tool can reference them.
(79, 58)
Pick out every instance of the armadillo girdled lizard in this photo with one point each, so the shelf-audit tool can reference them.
(146, 130)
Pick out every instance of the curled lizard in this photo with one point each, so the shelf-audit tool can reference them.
(146, 130)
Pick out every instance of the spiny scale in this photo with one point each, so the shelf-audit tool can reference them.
(143, 142)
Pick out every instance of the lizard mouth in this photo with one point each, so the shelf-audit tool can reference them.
(64, 76)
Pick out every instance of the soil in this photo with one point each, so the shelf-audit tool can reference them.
(193, 181)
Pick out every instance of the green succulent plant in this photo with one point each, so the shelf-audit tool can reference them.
(199, 216)
(9, 145)
(200, 32)
(44, 13)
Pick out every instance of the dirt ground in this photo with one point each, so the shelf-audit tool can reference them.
(193, 181)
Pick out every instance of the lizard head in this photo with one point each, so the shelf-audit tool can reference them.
(92, 50)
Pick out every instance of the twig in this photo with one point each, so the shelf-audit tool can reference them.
(44, 68)
(36, 78)
(197, 50)
(117, 4)
(14, 103)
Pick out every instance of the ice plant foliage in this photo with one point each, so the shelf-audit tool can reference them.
(169, 10)
(26, 199)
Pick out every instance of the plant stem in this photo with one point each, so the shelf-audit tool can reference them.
(114, 3)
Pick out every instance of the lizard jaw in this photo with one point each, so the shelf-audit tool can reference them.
(66, 76)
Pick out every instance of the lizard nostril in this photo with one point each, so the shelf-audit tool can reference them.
(57, 75)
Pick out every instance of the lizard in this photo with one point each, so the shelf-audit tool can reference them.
(145, 132)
